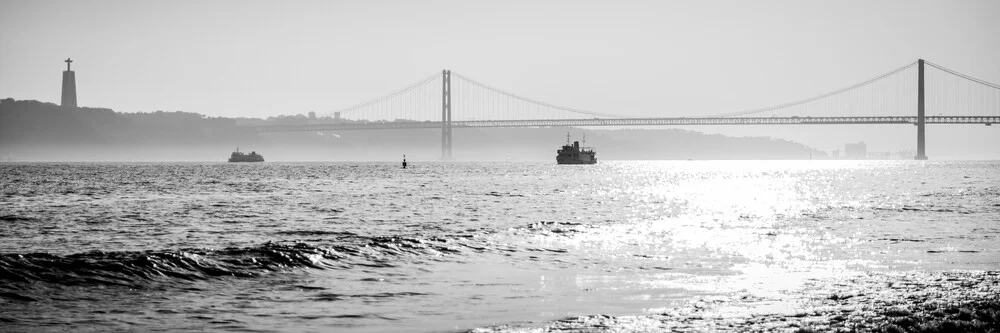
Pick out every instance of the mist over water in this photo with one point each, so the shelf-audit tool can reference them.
(454, 246)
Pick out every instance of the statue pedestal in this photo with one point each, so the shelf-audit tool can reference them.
(69, 89)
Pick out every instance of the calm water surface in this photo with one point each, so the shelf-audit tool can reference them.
(453, 246)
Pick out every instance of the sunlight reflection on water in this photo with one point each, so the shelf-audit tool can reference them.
(760, 227)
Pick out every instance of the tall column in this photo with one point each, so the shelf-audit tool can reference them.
(68, 86)
(445, 115)
(921, 155)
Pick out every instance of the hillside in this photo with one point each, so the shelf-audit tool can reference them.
(37, 131)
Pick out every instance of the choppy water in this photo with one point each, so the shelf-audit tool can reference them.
(453, 246)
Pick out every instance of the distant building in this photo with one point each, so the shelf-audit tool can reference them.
(336, 115)
(68, 86)
(858, 151)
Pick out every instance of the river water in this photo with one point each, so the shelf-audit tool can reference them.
(454, 246)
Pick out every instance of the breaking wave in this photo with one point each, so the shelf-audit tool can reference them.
(138, 268)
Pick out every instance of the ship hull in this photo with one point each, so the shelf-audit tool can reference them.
(580, 159)
(576, 162)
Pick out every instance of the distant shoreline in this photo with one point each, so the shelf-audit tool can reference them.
(38, 131)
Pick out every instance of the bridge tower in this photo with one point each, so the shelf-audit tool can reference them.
(446, 115)
(921, 154)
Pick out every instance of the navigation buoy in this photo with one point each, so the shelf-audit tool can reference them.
(404, 161)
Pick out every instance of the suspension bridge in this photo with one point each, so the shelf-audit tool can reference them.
(917, 94)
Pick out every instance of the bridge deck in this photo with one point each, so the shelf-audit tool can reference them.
(987, 120)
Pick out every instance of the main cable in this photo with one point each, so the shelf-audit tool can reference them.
(983, 82)
(534, 101)
(807, 100)
(390, 95)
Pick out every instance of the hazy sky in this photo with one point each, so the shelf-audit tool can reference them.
(640, 58)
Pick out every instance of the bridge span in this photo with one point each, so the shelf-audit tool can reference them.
(677, 121)
(918, 94)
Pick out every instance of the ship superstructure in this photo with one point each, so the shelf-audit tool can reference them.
(574, 153)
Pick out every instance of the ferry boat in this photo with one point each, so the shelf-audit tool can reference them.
(575, 154)
(237, 156)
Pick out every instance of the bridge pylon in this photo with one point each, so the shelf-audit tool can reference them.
(921, 154)
(446, 115)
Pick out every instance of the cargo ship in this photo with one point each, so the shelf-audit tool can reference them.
(575, 154)
(237, 156)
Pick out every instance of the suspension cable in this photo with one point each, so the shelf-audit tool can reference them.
(534, 101)
(390, 95)
(807, 100)
(507, 95)
(982, 82)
